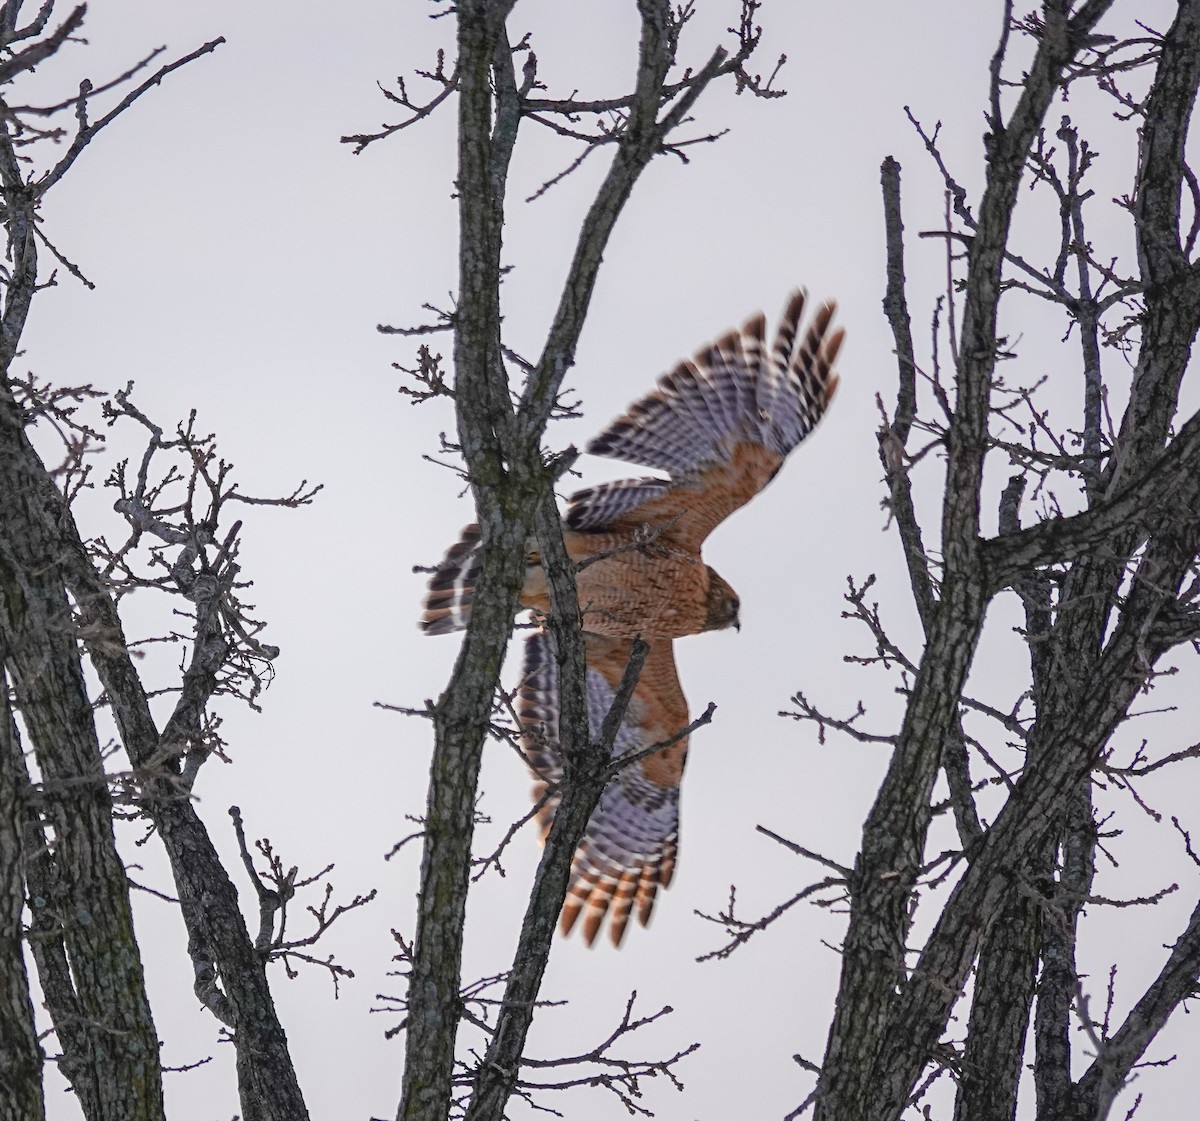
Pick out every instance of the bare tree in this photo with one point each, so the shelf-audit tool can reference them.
(1097, 541)
(60, 631)
(512, 483)
(70, 681)
(1105, 569)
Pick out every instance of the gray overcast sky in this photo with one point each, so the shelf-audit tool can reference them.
(243, 258)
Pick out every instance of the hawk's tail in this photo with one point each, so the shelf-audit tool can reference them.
(452, 586)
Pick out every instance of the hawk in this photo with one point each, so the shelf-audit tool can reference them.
(720, 426)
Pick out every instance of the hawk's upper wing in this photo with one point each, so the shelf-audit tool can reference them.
(721, 424)
(628, 850)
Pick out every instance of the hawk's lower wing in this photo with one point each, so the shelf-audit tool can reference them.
(629, 848)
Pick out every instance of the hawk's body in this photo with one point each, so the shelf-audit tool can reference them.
(615, 591)
(721, 425)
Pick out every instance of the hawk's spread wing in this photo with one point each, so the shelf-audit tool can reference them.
(721, 425)
(628, 851)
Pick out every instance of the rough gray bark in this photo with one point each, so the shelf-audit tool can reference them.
(1003, 995)
(20, 1053)
(92, 901)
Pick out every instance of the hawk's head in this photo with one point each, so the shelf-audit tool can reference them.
(723, 605)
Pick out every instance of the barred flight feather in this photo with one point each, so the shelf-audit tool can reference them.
(598, 507)
(732, 392)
